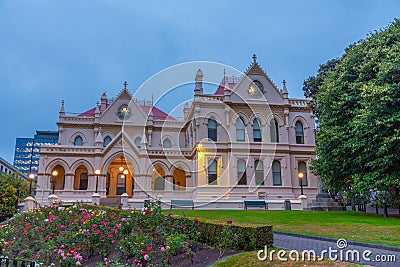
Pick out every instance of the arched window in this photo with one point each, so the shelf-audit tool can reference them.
(212, 130)
(257, 130)
(240, 130)
(158, 178)
(259, 172)
(78, 141)
(276, 173)
(57, 178)
(212, 172)
(299, 133)
(106, 141)
(274, 131)
(167, 143)
(81, 178)
(303, 169)
(138, 142)
(121, 184)
(241, 172)
(83, 184)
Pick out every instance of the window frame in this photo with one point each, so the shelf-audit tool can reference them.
(212, 133)
(299, 135)
(239, 121)
(75, 140)
(257, 163)
(258, 139)
(275, 172)
(241, 175)
(304, 180)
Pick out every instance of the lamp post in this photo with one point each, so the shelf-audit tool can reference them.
(54, 174)
(97, 172)
(301, 176)
(31, 176)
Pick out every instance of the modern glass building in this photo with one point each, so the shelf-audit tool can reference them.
(26, 157)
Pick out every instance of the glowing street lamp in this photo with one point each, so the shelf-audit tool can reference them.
(97, 172)
(301, 176)
(54, 174)
(31, 177)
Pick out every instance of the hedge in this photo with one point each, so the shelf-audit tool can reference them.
(249, 237)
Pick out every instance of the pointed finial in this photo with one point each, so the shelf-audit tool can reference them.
(125, 85)
(62, 110)
(285, 92)
(152, 99)
(254, 58)
(199, 76)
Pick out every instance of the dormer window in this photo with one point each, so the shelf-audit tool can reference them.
(78, 141)
(167, 143)
(106, 141)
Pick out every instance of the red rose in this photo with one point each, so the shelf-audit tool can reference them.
(143, 252)
(196, 220)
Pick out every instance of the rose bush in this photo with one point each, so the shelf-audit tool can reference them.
(70, 236)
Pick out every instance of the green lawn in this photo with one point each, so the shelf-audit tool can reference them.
(357, 226)
(250, 259)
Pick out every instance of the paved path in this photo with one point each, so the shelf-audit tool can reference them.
(302, 242)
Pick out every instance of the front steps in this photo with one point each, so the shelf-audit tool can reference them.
(324, 202)
(110, 202)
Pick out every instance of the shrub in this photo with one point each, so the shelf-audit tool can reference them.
(248, 237)
(8, 198)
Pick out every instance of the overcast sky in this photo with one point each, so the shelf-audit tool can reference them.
(75, 50)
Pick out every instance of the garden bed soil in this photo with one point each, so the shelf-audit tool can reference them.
(203, 256)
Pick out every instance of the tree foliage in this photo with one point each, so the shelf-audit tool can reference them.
(312, 84)
(359, 115)
(13, 189)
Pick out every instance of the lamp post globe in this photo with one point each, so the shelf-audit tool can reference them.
(54, 174)
(301, 176)
(97, 172)
(31, 177)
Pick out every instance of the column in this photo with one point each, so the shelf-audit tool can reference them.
(69, 182)
(168, 183)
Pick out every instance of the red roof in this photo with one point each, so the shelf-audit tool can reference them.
(157, 113)
(220, 90)
(89, 113)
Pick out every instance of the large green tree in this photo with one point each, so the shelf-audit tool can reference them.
(312, 84)
(359, 115)
(13, 189)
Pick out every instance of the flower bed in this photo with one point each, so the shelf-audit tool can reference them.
(75, 235)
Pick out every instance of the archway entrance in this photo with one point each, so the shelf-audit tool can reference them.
(119, 178)
(179, 179)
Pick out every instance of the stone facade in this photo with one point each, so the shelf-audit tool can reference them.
(248, 140)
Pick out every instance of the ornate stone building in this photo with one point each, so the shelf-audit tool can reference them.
(248, 140)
